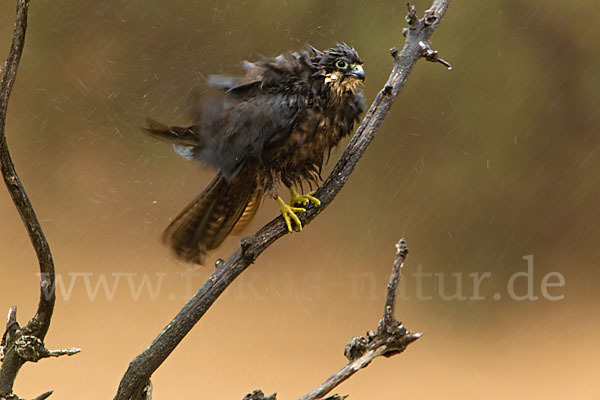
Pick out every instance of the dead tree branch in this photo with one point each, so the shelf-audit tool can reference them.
(43, 396)
(416, 46)
(391, 337)
(24, 344)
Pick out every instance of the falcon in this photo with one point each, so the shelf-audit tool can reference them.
(276, 124)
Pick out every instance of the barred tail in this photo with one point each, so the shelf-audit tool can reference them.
(206, 221)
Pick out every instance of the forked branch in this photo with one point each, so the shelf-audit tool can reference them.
(391, 337)
(23, 344)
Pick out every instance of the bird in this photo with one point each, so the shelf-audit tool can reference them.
(276, 124)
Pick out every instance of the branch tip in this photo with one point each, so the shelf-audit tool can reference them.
(445, 63)
(401, 249)
(432, 55)
(12, 316)
(44, 396)
(66, 352)
(411, 18)
(31, 348)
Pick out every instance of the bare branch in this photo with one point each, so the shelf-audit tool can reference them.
(38, 326)
(31, 348)
(390, 300)
(41, 321)
(390, 339)
(142, 367)
(43, 396)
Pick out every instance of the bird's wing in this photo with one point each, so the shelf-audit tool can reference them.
(236, 84)
(247, 122)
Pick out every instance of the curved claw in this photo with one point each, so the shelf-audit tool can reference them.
(289, 214)
(304, 198)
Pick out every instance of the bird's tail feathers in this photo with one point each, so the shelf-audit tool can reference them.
(183, 136)
(208, 219)
(248, 213)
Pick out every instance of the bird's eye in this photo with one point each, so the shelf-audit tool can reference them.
(341, 64)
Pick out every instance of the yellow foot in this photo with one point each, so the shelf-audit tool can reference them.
(288, 211)
(304, 199)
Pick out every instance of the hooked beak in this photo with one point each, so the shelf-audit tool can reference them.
(358, 72)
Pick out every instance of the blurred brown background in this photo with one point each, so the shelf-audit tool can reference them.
(477, 167)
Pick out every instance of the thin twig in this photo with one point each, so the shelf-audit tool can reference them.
(390, 300)
(38, 326)
(31, 348)
(141, 368)
(390, 339)
(43, 396)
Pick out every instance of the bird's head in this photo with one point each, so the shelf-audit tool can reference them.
(342, 67)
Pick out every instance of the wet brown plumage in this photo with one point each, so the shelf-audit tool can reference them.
(278, 123)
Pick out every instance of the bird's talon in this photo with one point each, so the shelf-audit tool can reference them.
(316, 202)
(289, 214)
(304, 199)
